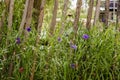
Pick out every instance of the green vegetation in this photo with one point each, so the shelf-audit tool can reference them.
(95, 57)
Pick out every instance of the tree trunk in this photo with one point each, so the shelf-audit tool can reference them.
(77, 15)
(29, 16)
(37, 4)
(40, 21)
(2, 19)
(11, 66)
(89, 16)
(41, 16)
(97, 11)
(23, 18)
(10, 17)
(53, 22)
(106, 12)
(7, 2)
(10, 21)
(118, 13)
(64, 11)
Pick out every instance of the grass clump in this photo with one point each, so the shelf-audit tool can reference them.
(95, 57)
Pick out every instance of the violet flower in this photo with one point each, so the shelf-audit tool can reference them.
(28, 29)
(72, 65)
(85, 36)
(59, 39)
(73, 46)
(18, 40)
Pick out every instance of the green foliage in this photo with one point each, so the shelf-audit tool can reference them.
(96, 58)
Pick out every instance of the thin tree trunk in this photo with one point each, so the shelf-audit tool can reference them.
(2, 19)
(11, 67)
(40, 21)
(97, 12)
(33, 67)
(64, 11)
(10, 18)
(37, 4)
(53, 22)
(77, 15)
(29, 16)
(4, 16)
(114, 12)
(5, 12)
(23, 18)
(7, 2)
(118, 13)
(106, 12)
(89, 16)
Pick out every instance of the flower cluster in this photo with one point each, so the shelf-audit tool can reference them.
(18, 40)
(85, 37)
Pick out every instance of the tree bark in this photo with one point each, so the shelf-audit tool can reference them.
(64, 11)
(40, 21)
(29, 16)
(41, 16)
(89, 16)
(23, 18)
(11, 66)
(37, 4)
(10, 17)
(77, 15)
(97, 12)
(53, 22)
(107, 2)
(7, 2)
(2, 19)
(118, 13)
(10, 21)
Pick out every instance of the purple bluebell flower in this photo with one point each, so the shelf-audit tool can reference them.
(59, 39)
(73, 46)
(28, 29)
(18, 40)
(85, 36)
(73, 65)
